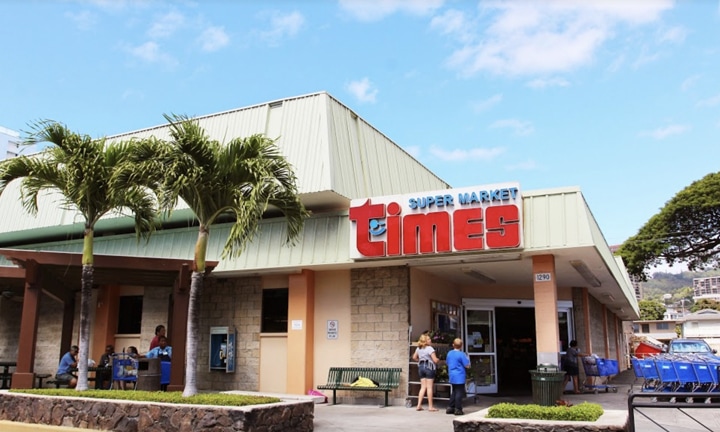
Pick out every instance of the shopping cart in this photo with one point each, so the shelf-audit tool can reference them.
(124, 370)
(598, 372)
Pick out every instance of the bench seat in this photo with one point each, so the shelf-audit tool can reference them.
(341, 378)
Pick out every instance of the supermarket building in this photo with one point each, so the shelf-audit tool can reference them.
(389, 252)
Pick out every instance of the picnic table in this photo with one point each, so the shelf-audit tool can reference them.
(6, 376)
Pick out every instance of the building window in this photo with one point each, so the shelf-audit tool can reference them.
(663, 326)
(275, 311)
(130, 315)
(645, 328)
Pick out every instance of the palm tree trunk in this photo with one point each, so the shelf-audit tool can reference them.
(85, 294)
(196, 286)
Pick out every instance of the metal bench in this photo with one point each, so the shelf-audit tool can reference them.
(341, 378)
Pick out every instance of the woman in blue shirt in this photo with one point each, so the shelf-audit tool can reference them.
(457, 364)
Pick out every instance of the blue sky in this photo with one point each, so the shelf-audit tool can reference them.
(622, 101)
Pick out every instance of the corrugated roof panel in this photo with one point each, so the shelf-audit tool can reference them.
(324, 241)
(330, 147)
(556, 218)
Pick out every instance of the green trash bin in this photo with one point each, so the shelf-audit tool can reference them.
(547, 384)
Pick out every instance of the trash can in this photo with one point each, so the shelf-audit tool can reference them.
(148, 374)
(547, 384)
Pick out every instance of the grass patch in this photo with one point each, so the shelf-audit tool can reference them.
(585, 411)
(157, 396)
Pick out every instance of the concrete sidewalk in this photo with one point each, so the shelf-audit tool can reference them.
(362, 418)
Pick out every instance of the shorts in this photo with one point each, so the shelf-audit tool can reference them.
(65, 377)
(572, 369)
(426, 373)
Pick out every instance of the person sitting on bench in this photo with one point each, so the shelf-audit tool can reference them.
(67, 363)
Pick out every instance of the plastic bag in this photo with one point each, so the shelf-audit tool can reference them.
(318, 394)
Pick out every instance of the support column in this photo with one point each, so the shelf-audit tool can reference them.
(24, 375)
(106, 318)
(546, 311)
(178, 328)
(301, 309)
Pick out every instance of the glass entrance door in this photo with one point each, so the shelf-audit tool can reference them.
(480, 345)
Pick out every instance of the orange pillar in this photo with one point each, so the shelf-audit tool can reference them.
(24, 375)
(546, 311)
(106, 317)
(301, 317)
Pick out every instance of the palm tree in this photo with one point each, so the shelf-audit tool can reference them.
(83, 171)
(240, 180)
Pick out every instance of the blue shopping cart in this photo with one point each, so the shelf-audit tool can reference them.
(598, 372)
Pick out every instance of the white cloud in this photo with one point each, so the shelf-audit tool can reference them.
(527, 165)
(166, 25)
(84, 20)
(524, 38)
(133, 95)
(150, 52)
(213, 38)
(282, 26)
(666, 131)
(462, 155)
(673, 35)
(363, 90)
(454, 23)
(689, 82)
(483, 105)
(375, 10)
(519, 127)
(644, 58)
(541, 83)
(709, 102)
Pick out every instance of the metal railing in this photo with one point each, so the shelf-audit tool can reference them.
(680, 401)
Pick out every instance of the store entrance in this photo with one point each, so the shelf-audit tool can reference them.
(516, 348)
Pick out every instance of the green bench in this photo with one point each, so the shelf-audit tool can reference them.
(341, 378)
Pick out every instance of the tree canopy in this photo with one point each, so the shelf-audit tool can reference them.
(705, 304)
(651, 310)
(240, 181)
(687, 229)
(83, 171)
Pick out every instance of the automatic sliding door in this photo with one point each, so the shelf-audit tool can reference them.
(480, 345)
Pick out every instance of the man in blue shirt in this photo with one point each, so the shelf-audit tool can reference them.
(457, 362)
(162, 351)
(67, 363)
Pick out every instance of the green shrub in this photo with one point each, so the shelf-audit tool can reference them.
(221, 399)
(585, 411)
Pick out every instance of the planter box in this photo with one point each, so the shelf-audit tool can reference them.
(130, 416)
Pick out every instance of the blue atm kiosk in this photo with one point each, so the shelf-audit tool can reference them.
(222, 349)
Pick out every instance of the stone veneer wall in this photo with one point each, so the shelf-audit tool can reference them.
(232, 302)
(128, 416)
(380, 311)
(10, 314)
(156, 304)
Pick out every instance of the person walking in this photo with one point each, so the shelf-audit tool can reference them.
(457, 364)
(427, 361)
(570, 365)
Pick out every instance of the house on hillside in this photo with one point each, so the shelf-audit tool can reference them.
(703, 324)
(661, 330)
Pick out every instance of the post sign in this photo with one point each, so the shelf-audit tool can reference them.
(481, 218)
(332, 329)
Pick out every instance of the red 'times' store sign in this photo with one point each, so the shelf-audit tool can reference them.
(453, 220)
